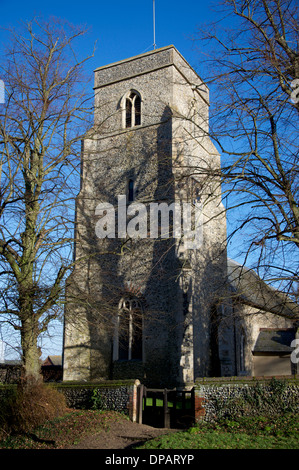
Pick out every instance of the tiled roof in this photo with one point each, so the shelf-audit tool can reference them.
(274, 340)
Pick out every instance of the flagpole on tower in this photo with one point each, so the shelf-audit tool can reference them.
(154, 24)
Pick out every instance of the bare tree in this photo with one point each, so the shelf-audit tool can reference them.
(41, 126)
(252, 67)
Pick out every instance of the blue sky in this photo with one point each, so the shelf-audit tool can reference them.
(121, 28)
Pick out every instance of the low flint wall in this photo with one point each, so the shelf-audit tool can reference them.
(109, 395)
(232, 397)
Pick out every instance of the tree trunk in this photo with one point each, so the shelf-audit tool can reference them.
(31, 351)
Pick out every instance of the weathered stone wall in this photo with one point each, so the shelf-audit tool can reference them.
(224, 398)
(10, 373)
(115, 396)
(154, 154)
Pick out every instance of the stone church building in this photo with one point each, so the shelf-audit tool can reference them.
(142, 303)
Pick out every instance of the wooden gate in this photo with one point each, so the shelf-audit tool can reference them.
(165, 408)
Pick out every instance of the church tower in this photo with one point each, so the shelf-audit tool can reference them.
(143, 296)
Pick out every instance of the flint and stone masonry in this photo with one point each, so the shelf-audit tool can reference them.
(148, 308)
(176, 288)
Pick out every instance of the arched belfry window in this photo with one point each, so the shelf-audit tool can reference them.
(132, 109)
(128, 338)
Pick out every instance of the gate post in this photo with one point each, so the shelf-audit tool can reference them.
(133, 402)
(166, 410)
(199, 402)
(140, 393)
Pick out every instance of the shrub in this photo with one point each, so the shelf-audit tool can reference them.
(30, 405)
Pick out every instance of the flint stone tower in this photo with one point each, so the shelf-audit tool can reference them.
(144, 307)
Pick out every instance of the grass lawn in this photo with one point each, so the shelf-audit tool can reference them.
(220, 440)
(245, 433)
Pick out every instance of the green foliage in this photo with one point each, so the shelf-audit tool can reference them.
(246, 432)
(97, 401)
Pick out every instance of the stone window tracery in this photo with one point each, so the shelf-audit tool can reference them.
(128, 341)
(132, 109)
